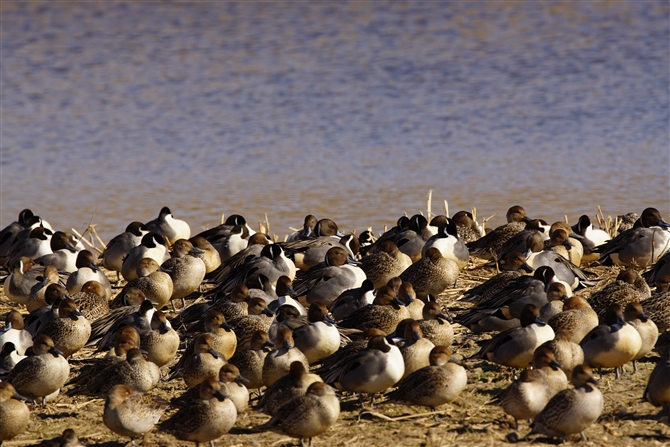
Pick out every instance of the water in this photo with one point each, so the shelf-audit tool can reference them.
(352, 111)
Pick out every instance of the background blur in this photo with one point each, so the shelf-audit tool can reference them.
(345, 110)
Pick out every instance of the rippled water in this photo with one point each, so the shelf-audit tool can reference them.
(347, 110)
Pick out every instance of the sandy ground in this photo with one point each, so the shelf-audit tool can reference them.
(469, 420)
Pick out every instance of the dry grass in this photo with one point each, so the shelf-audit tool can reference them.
(469, 420)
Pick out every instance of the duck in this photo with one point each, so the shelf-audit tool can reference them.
(15, 332)
(8, 235)
(551, 370)
(210, 255)
(385, 264)
(87, 271)
(67, 439)
(320, 337)
(514, 347)
(154, 282)
(566, 352)
(635, 316)
(348, 349)
(578, 318)
(657, 391)
(556, 296)
(277, 362)
(528, 242)
(385, 312)
(433, 385)
(324, 282)
(484, 291)
(186, 270)
(571, 410)
(120, 245)
(103, 329)
(130, 415)
(433, 273)
(590, 238)
(219, 233)
(170, 228)
(134, 372)
(628, 287)
(204, 419)
(525, 397)
(36, 298)
(613, 344)
(70, 331)
(371, 370)
(488, 246)
(41, 374)
(232, 386)
(468, 228)
(435, 325)
(9, 357)
(203, 363)
(416, 349)
(407, 295)
(259, 318)
(231, 244)
(657, 307)
(90, 300)
(308, 226)
(36, 245)
(64, 253)
(306, 416)
(293, 384)
(254, 248)
(449, 243)
(14, 414)
(351, 300)
(23, 276)
(306, 253)
(562, 240)
(161, 342)
(151, 246)
(250, 361)
(42, 315)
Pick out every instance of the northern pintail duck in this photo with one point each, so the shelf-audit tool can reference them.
(307, 253)
(23, 276)
(210, 256)
(254, 248)
(70, 331)
(515, 347)
(642, 245)
(203, 363)
(578, 318)
(151, 246)
(90, 300)
(15, 332)
(566, 352)
(161, 342)
(613, 344)
(204, 419)
(223, 336)
(64, 254)
(348, 350)
(407, 295)
(488, 246)
(635, 316)
(433, 273)
(556, 296)
(551, 370)
(565, 242)
(36, 297)
(9, 357)
(277, 362)
(221, 231)
(8, 234)
(431, 386)
(250, 361)
(169, 227)
(306, 416)
(628, 287)
(416, 348)
(351, 300)
(386, 263)
(259, 318)
(526, 242)
(87, 271)
(41, 374)
(67, 439)
(232, 386)
(572, 410)
(657, 391)
(659, 274)
(590, 238)
(309, 223)
(230, 244)
(320, 337)
(119, 247)
(525, 397)
(657, 307)
(153, 281)
(484, 291)
(129, 414)
(435, 325)
(292, 385)
(14, 414)
(135, 372)
(371, 370)
(385, 312)
(468, 228)
(139, 317)
(186, 270)
(449, 243)
(36, 245)
(324, 282)
(43, 315)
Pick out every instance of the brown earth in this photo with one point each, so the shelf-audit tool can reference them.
(469, 420)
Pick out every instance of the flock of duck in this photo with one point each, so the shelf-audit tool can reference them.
(324, 311)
